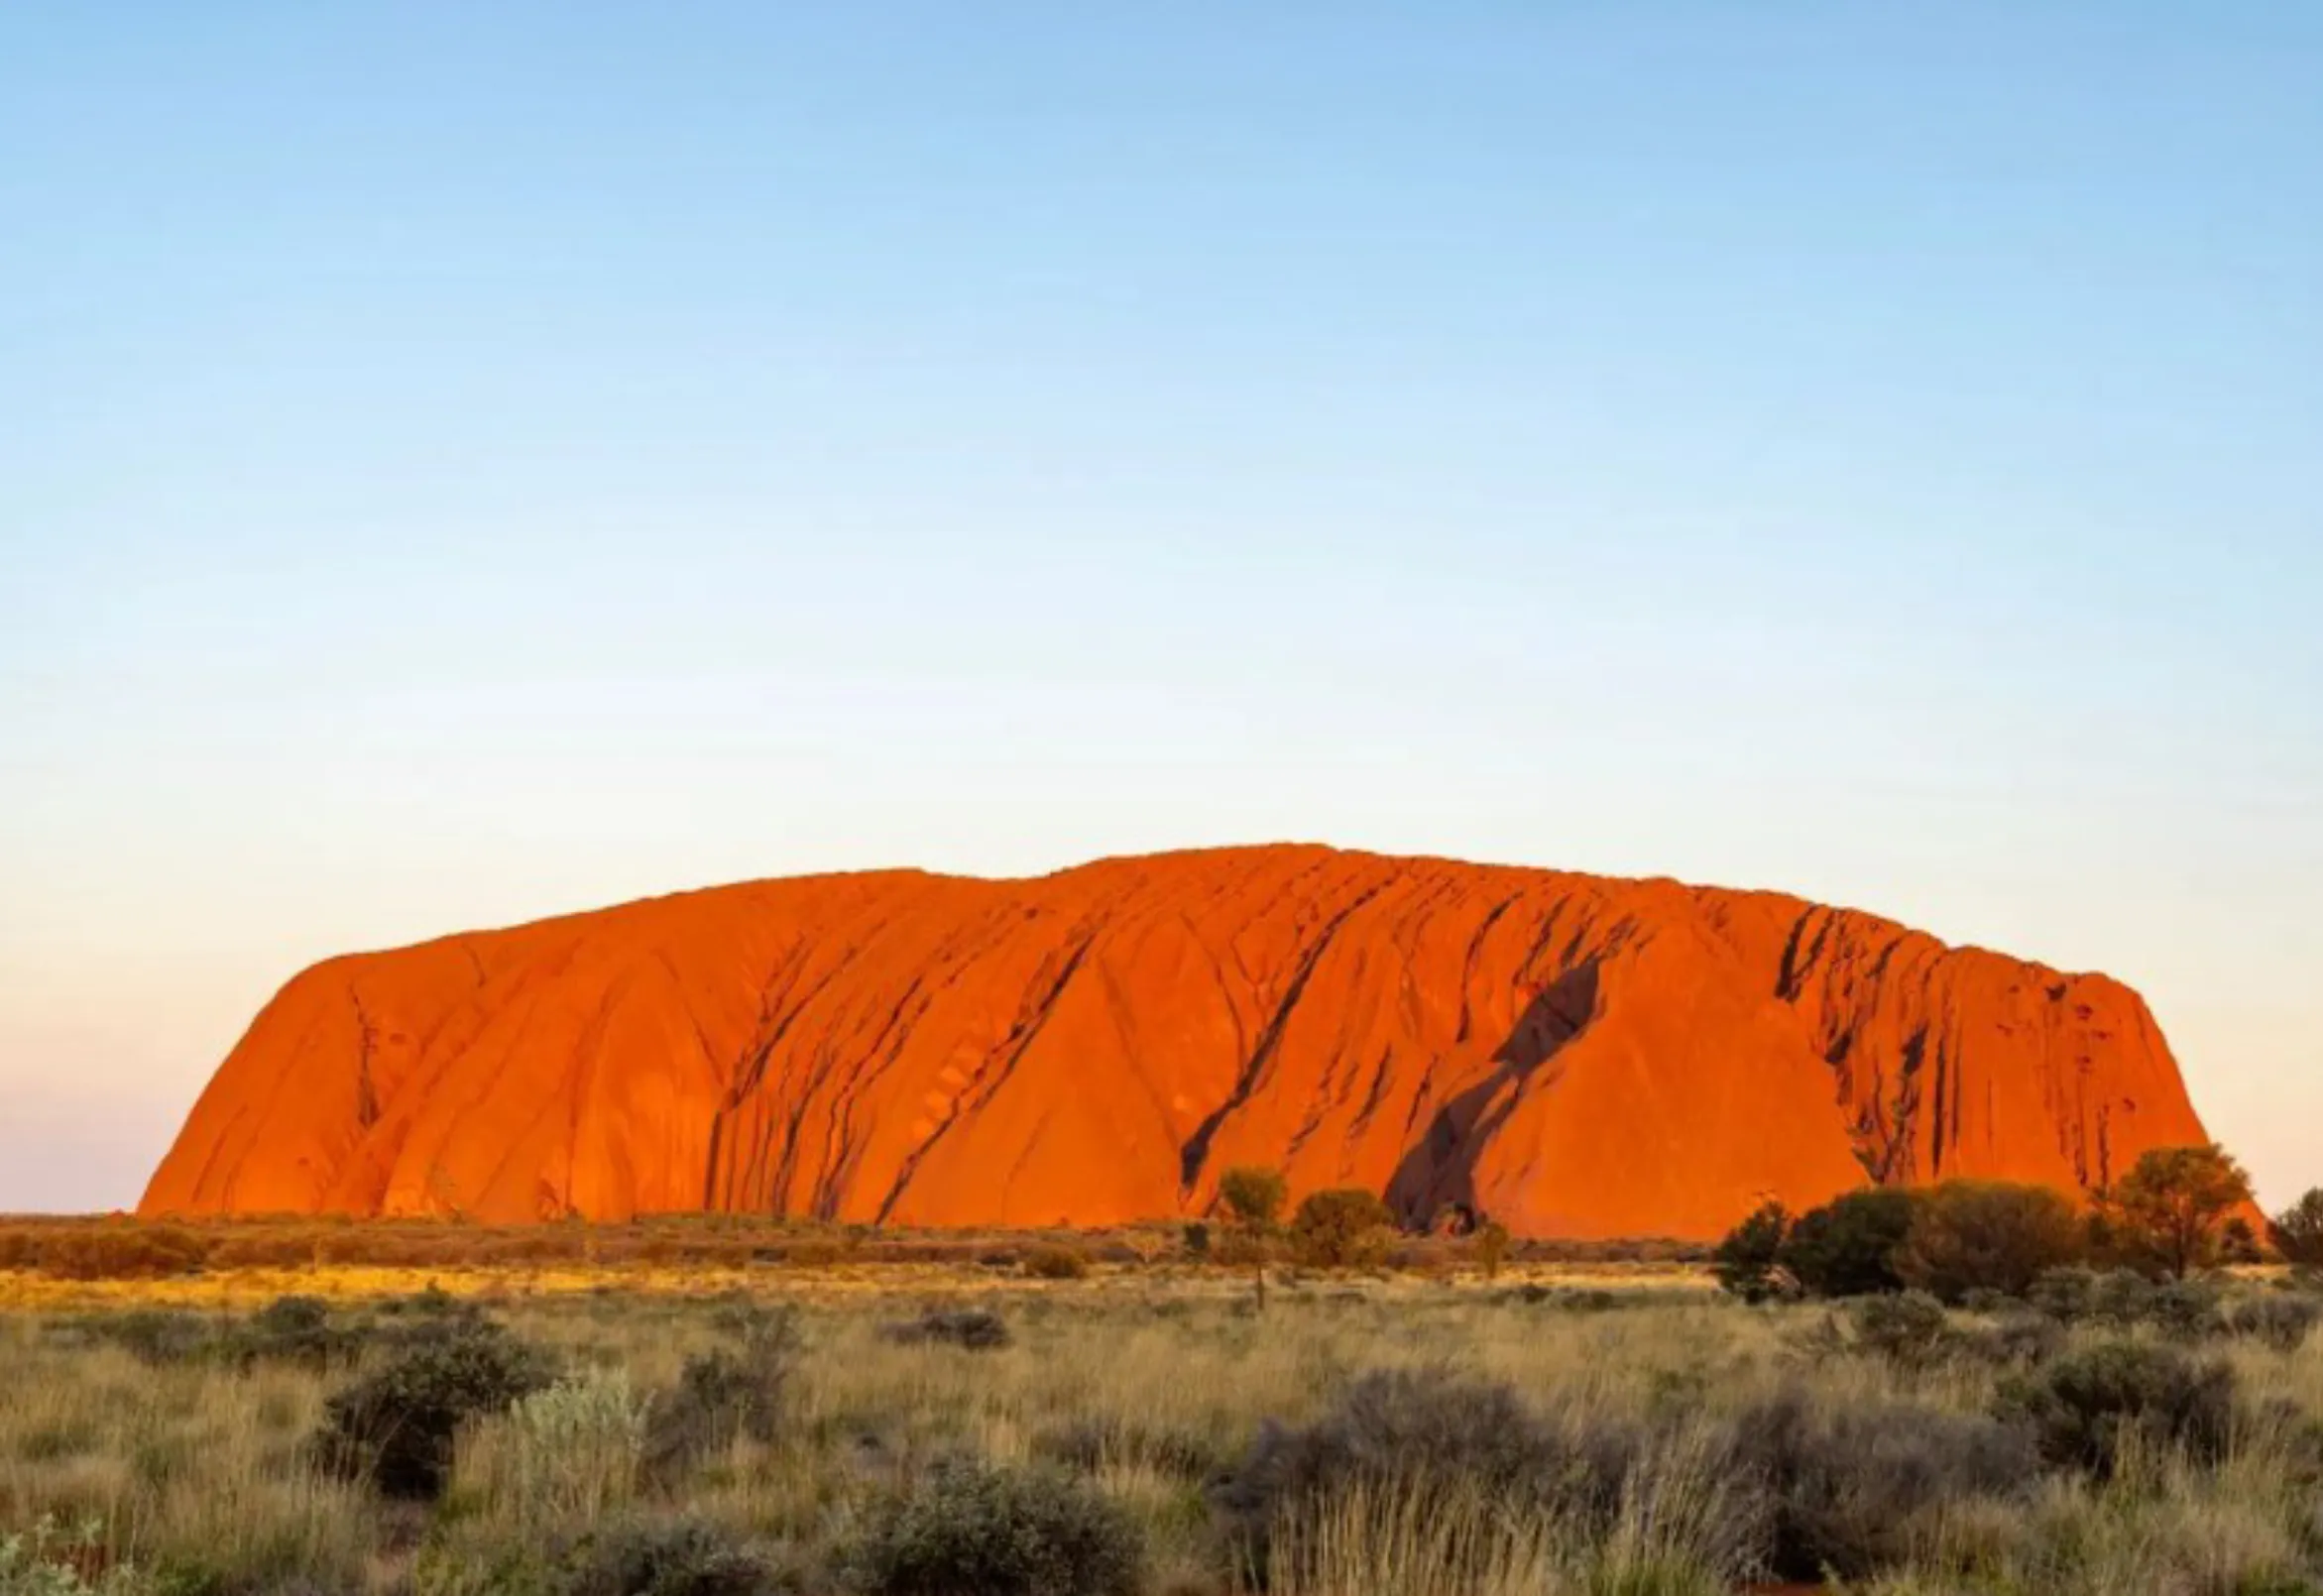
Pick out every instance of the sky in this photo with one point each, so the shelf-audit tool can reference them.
(462, 463)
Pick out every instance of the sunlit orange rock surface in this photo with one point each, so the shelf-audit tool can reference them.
(1574, 1056)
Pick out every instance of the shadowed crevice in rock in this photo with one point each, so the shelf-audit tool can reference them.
(1440, 1171)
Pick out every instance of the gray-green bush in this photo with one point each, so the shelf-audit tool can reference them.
(2088, 1407)
(976, 1329)
(966, 1525)
(668, 1557)
(1855, 1485)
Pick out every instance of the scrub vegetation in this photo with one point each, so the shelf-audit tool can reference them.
(1459, 1420)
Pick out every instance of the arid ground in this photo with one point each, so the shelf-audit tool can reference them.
(692, 1407)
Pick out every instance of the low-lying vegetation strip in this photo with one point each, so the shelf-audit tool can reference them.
(126, 1249)
(2090, 1435)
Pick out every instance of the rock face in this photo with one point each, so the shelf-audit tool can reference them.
(1574, 1056)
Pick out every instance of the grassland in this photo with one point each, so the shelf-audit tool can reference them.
(743, 1423)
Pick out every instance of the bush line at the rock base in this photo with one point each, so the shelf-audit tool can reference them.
(2177, 1210)
(2175, 1215)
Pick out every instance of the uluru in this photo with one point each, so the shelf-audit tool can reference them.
(1571, 1054)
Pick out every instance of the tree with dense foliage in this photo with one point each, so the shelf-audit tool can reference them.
(2168, 1214)
(1847, 1247)
(1988, 1235)
(2298, 1231)
(1344, 1229)
(1254, 1196)
(1747, 1260)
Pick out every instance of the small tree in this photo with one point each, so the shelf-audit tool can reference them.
(1147, 1246)
(1847, 1247)
(1346, 1229)
(2168, 1212)
(2298, 1231)
(1254, 1196)
(1491, 1245)
(1987, 1235)
(1746, 1260)
(1254, 1199)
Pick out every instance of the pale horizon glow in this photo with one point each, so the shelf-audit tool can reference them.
(459, 465)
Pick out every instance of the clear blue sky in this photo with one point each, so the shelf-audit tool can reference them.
(462, 462)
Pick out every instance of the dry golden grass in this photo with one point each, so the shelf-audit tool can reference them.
(119, 1246)
(196, 1469)
(229, 1290)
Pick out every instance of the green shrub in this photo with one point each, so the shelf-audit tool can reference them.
(1344, 1229)
(2116, 1298)
(682, 1556)
(1056, 1263)
(629, 1555)
(969, 1526)
(1421, 1425)
(1747, 1260)
(2088, 1407)
(1910, 1329)
(1848, 1246)
(2062, 1294)
(721, 1395)
(2279, 1319)
(979, 1329)
(1855, 1484)
(159, 1335)
(292, 1329)
(2186, 1309)
(2015, 1338)
(395, 1426)
(2121, 1300)
(277, 1563)
(399, 1324)
(745, 1320)
(1987, 1237)
(1432, 1434)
